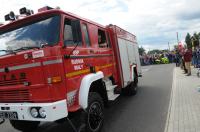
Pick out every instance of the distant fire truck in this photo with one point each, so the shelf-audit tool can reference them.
(54, 64)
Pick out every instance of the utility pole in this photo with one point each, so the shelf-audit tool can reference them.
(177, 37)
(168, 46)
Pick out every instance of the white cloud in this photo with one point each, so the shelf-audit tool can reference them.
(155, 22)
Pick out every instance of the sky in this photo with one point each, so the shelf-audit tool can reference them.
(154, 22)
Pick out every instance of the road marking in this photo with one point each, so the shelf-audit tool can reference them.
(171, 99)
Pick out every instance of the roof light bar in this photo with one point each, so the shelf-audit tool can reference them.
(25, 11)
(10, 17)
(45, 8)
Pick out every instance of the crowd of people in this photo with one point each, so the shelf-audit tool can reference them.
(187, 57)
(183, 57)
(162, 58)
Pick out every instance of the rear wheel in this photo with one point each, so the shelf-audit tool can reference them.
(95, 113)
(132, 88)
(25, 126)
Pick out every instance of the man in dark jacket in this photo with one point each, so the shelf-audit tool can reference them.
(177, 58)
(187, 59)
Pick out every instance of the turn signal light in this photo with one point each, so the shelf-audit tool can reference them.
(56, 79)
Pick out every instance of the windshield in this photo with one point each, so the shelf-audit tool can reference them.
(43, 32)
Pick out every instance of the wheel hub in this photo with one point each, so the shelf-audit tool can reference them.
(95, 116)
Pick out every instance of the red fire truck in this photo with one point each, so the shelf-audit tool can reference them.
(54, 64)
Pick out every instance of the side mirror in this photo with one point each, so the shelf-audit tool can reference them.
(76, 31)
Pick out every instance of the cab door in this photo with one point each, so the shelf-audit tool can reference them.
(72, 50)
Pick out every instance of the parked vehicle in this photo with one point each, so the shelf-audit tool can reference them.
(54, 64)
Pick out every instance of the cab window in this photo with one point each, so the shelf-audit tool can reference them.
(86, 35)
(68, 36)
(102, 39)
(108, 37)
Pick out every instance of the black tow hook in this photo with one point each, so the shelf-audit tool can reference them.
(1, 122)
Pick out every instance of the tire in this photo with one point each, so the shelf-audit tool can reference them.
(25, 126)
(95, 113)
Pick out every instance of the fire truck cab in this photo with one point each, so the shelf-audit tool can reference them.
(54, 63)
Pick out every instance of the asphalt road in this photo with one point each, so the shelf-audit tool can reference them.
(145, 112)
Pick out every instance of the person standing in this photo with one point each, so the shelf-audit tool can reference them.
(177, 59)
(198, 56)
(194, 58)
(183, 61)
(187, 59)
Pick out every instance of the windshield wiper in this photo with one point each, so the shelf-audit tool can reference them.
(4, 50)
(20, 49)
(8, 51)
(27, 48)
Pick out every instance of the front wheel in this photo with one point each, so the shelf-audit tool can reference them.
(95, 113)
(24, 126)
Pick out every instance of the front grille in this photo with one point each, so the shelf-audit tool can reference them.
(7, 96)
(12, 82)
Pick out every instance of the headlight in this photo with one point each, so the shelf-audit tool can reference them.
(42, 112)
(34, 112)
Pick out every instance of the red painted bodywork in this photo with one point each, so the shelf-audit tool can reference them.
(106, 60)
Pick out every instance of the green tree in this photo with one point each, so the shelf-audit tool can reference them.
(157, 51)
(199, 34)
(195, 39)
(188, 40)
(141, 50)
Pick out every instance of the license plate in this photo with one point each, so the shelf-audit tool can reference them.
(9, 115)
